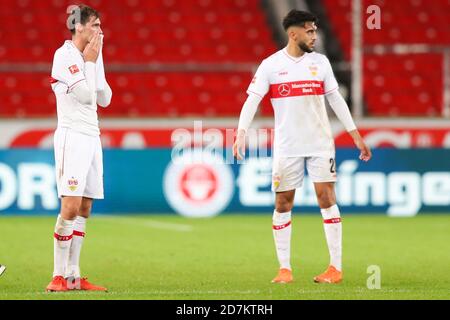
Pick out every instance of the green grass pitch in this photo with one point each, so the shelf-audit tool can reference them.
(230, 257)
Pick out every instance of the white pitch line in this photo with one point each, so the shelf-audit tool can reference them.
(154, 224)
(168, 226)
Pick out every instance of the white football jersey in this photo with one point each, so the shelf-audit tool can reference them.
(297, 88)
(67, 71)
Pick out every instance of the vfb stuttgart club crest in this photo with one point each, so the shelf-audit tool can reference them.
(198, 184)
(314, 69)
(284, 90)
(73, 184)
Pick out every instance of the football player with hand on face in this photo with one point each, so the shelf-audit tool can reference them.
(79, 83)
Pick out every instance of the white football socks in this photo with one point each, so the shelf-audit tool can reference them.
(79, 229)
(333, 233)
(61, 245)
(282, 236)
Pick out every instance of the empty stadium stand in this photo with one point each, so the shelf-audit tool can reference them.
(172, 34)
(399, 84)
(138, 32)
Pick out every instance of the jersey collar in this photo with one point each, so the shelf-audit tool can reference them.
(293, 58)
(70, 43)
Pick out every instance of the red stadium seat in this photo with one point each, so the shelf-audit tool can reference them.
(387, 77)
(139, 32)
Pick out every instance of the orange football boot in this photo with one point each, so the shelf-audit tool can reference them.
(332, 275)
(86, 285)
(58, 283)
(283, 276)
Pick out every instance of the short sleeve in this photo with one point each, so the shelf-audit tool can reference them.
(260, 82)
(329, 80)
(66, 69)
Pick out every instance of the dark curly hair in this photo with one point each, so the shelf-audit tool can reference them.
(85, 14)
(298, 18)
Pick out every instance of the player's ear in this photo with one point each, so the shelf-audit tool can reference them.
(79, 27)
(292, 34)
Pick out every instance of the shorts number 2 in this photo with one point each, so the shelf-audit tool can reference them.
(333, 166)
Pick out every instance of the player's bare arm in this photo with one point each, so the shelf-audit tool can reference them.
(239, 145)
(365, 154)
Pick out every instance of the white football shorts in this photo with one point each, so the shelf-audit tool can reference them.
(288, 172)
(78, 164)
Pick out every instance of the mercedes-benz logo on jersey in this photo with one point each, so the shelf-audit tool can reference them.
(198, 184)
(284, 90)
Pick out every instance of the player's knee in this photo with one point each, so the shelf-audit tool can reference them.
(85, 210)
(283, 205)
(326, 199)
(70, 210)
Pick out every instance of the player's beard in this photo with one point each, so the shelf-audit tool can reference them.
(305, 48)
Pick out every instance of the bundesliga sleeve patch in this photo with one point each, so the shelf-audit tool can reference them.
(74, 69)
